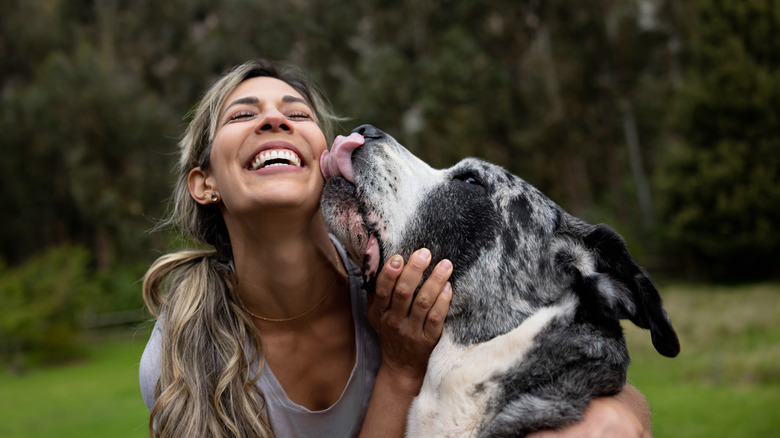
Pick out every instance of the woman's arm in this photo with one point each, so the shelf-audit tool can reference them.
(408, 331)
(625, 414)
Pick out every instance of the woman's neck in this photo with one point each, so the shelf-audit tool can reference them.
(284, 270)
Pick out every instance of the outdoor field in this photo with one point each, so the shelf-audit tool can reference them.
(725, 383)
(659, 118)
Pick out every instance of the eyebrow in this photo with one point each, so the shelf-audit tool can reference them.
(254, 101)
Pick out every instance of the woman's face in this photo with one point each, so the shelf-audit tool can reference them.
(266, 150)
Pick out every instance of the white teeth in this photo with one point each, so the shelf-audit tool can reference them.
(277, 154)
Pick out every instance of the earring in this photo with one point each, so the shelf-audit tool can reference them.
(214, 196)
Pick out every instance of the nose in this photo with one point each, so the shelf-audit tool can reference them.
(369, 131)
(273, 120)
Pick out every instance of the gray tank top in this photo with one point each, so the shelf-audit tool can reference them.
(288, 419)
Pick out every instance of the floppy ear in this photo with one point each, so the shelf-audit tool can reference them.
(623, 288)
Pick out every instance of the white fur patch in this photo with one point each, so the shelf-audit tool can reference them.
(460, 379)
(416, 180)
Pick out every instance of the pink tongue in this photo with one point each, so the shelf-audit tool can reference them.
(338, 162)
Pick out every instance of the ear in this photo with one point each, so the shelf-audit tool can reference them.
(199, 182)
(623, 288)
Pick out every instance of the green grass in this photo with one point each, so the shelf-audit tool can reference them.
(725, 383)
(98, 397)
(726, 380)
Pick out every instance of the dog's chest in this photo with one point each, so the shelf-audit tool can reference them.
(462, 380)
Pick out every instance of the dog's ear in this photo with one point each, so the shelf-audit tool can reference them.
(622, 287)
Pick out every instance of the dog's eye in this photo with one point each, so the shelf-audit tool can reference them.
(470, 179)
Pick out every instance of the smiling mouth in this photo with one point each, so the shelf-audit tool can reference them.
(275, 157)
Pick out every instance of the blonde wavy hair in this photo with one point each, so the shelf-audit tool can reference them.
(207, 385)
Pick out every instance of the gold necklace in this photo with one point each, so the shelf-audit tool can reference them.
(322, 300)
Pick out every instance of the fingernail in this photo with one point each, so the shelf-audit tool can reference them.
(395, 261)
(424, 254)
(445, 265)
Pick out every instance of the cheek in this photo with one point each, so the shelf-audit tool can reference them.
(218, 168)
(223, 148)
(317, 141)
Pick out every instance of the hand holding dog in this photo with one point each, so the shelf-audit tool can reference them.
(409, 326)
(623, 415)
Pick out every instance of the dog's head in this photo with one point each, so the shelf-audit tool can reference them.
(514, 250)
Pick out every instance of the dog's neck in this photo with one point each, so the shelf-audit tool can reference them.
(472, 321)
(483, 308)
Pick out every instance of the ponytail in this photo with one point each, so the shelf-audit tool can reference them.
(208, 344)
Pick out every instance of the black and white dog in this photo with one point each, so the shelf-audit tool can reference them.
(532, 333)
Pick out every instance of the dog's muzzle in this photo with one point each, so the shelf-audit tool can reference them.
(338, 163)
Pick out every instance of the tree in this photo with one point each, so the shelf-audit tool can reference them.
(721, 178)
(573, 97)
(80, 134)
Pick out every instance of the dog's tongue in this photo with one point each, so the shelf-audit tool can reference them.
(338, 161)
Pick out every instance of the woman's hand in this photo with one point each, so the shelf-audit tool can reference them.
(625, 415)
(409, 326)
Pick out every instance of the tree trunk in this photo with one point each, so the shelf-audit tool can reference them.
(635, 160)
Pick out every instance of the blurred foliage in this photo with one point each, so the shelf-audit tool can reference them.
(47, 302)
(41, 303)
(721, 180)
(591, 102)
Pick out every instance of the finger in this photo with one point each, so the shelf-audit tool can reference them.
(430, 291)
(385, 283)
(408, 281)
(434, 321)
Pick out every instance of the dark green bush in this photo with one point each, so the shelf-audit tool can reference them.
(41, 303)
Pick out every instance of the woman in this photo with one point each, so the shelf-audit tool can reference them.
(267, 332)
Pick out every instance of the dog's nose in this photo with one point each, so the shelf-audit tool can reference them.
(369, 131)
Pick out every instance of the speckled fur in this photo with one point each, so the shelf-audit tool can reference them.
(532, 333)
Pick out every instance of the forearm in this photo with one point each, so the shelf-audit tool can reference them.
(389, 405)
(637, 404)
(623, 415)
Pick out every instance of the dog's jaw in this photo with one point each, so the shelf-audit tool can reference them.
(342, 214)
(344, 217)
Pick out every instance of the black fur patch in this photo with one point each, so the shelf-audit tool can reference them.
(454, 209)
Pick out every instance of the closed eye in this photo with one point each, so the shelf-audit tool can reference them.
(240, 115)
(298, 115)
